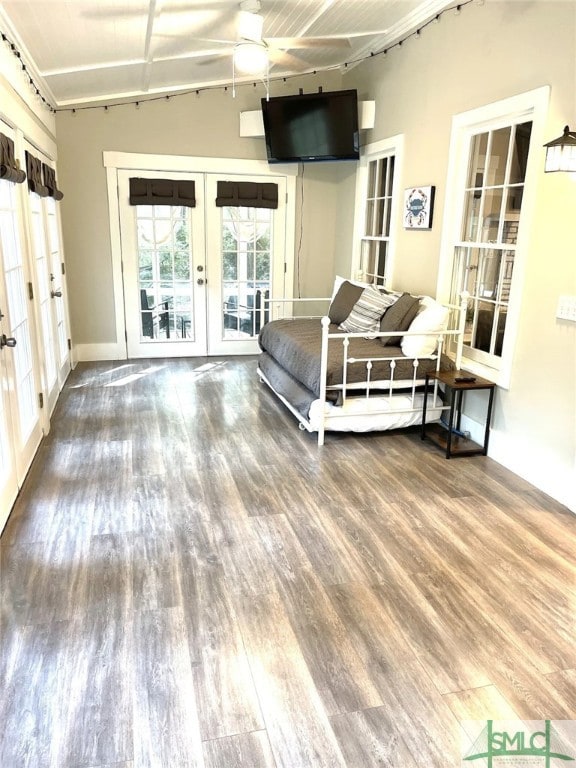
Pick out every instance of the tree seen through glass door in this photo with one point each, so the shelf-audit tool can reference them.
(246, 275)
(164, 261)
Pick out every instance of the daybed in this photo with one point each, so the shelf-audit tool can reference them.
(362, 367)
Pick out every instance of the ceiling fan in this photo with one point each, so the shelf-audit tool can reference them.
(252, 53)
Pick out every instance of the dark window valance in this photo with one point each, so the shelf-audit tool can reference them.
(50, 182)
(247, 193)
(8, 166)
(34, 173)
(162, 192)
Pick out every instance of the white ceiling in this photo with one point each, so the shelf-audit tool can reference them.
(82, 51)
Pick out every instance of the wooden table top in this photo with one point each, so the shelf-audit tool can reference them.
(462, 379)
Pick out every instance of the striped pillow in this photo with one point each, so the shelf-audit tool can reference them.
(366, 313)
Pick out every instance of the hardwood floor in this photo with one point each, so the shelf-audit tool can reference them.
(188, 581)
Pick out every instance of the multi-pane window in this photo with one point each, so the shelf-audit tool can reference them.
(485, 253)
(375, 241)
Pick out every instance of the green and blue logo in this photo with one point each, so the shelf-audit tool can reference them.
(537, 743)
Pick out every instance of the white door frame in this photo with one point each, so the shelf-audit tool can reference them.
(62, 355)
(21, 440)
(217, 343)
(136, 346)
(137, 162)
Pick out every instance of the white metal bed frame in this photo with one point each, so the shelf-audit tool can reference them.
(456, 332)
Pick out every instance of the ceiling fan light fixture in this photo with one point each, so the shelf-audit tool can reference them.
(251, 58)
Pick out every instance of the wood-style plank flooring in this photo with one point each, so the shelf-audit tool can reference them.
(188, 581)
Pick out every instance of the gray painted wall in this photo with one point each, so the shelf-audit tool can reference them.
(200, 126)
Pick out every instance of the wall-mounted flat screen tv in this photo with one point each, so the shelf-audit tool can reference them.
(312, 127)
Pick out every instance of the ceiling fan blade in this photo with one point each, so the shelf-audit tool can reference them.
(202, 61)
(216, 40)
(287, 61)
(288, 43)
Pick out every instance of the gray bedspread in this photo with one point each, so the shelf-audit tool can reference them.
(295, 344)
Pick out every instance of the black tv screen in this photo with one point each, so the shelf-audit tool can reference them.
(312, 127)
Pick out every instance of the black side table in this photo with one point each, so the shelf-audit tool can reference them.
(456, 383)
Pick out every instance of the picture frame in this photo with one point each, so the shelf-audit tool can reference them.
(418, 207)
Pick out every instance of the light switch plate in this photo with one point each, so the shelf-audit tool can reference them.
(566, 308)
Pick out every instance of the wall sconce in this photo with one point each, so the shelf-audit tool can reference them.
(561, 153)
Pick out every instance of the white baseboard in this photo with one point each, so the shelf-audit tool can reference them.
(535, 467)
(85, 353)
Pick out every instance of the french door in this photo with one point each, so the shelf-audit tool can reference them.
(49, 287)
(196, 280)
(20, 422)
(163, 268)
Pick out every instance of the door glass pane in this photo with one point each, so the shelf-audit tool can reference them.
(6, 458)
(164, 269)
(42, 270)
(247, 236)
(18, 307)
(56, 279)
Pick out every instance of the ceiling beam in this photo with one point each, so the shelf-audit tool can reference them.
(154, 9)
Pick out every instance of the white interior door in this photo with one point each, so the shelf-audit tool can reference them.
(20, 423)
(247, 247)
(164, 267)
(8, 476)
(50, 290)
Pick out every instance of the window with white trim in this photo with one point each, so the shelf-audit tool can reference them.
(375, 240)
(494, 169)
(484, 255)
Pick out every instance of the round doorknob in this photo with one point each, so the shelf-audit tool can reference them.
(7, 342)
(56, 294)
(200, 281)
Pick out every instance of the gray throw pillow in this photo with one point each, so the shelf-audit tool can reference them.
(343, 302)
(367, 311)
(398, 318)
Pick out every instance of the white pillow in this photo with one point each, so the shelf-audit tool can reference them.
(432, 318)
(366, 313)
